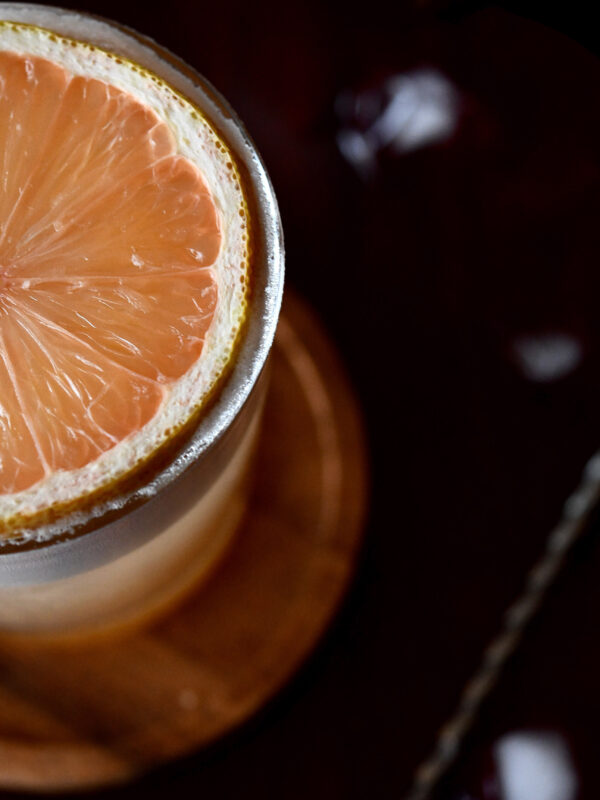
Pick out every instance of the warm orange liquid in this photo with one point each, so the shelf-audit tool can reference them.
(135, 588)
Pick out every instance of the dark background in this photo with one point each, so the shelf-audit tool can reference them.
(457, 259)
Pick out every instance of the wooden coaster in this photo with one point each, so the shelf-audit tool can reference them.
(75, 716)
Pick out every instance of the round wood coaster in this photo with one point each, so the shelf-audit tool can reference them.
(82, 716)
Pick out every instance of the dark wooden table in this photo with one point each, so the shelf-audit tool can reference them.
(452, 252)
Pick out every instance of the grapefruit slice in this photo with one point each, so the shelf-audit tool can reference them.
(124, 263)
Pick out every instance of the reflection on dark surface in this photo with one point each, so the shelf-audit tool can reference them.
(534, 764)
(406, 112)
(547, 357)
(438, 174)
(526, 765)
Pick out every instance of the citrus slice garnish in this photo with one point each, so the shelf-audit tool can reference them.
(124, 261)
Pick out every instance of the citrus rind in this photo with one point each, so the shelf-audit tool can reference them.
(197, 141)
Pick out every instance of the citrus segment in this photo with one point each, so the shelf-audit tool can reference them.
(19, 461)
(115, 259)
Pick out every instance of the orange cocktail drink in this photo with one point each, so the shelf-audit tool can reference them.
(140, 281)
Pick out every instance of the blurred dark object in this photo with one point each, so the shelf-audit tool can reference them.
(547, 704)
(437, 167)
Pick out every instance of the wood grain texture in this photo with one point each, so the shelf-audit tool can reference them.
(86, 715)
